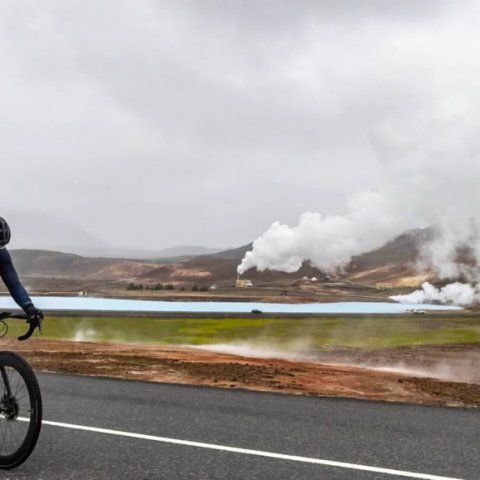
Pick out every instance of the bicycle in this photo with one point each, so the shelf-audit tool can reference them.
(20, 402)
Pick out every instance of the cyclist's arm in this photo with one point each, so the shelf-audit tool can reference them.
(11, 280)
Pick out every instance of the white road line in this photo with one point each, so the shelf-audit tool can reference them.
(244, 451)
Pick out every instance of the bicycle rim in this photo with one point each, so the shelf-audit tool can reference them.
(20, 410)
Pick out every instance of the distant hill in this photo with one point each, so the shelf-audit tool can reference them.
(393, 263)
(40, 231)
(186, 250)
(181, 252)
(235, 253)
(46, 232)
(42, 263)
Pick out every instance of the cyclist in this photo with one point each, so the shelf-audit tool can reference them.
(11, 280)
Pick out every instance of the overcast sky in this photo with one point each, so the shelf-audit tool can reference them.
(158, 123)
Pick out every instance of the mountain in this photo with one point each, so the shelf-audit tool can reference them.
(235, 253)
(180, 252)
(41, 231)
(185, 251)
(41, 263)
(394, 263)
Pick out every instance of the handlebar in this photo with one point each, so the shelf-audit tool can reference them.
(33, 325)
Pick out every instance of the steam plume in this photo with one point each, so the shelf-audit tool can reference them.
(329, 242)
(428, 173)
(457, 293)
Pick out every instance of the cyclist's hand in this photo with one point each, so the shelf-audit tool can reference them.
(35, 316)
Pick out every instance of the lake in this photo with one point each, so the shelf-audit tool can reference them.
(85, 304)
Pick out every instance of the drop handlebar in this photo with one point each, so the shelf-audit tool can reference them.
(32, 323)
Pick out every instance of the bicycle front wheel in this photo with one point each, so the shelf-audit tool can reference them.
(20, 410)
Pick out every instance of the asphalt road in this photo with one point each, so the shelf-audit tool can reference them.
(423, 442)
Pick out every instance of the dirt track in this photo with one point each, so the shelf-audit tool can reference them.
(193, 366)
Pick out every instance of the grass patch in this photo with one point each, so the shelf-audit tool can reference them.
(286, 333)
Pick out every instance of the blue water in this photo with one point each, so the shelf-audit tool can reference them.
(79, 304)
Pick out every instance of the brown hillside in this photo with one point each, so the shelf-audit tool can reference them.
(41, 263)
(392, 264)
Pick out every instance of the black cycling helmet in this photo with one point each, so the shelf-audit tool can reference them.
(5, 233)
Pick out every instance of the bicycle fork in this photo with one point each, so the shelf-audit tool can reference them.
(6, 382)
(8, 405)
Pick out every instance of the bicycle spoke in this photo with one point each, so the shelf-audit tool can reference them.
(19, 398)
(3, 377)
(16, 387)
(3, 437)
(22, 397)
(13, 432)
(12, 371)
(4, 430)
(20, 386)
(22, 429)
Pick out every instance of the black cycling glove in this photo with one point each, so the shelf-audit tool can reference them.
(34, 315)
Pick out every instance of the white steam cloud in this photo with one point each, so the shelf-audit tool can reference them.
(457, 293)
(328, 242)
(428, 173)
(454, 252)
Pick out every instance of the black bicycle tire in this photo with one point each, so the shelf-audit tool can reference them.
(13, 360)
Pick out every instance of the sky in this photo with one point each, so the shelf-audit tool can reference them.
(150, 124)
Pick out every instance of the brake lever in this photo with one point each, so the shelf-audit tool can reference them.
(29, 333)
(33, 324)
(31, 328)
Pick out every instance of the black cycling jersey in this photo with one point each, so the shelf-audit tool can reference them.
(11, 280)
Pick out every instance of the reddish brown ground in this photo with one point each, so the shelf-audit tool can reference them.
(193, 366)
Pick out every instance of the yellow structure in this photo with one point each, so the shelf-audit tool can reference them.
(243, 283)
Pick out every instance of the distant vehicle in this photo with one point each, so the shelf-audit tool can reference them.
(418, 311)
(256, 311)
